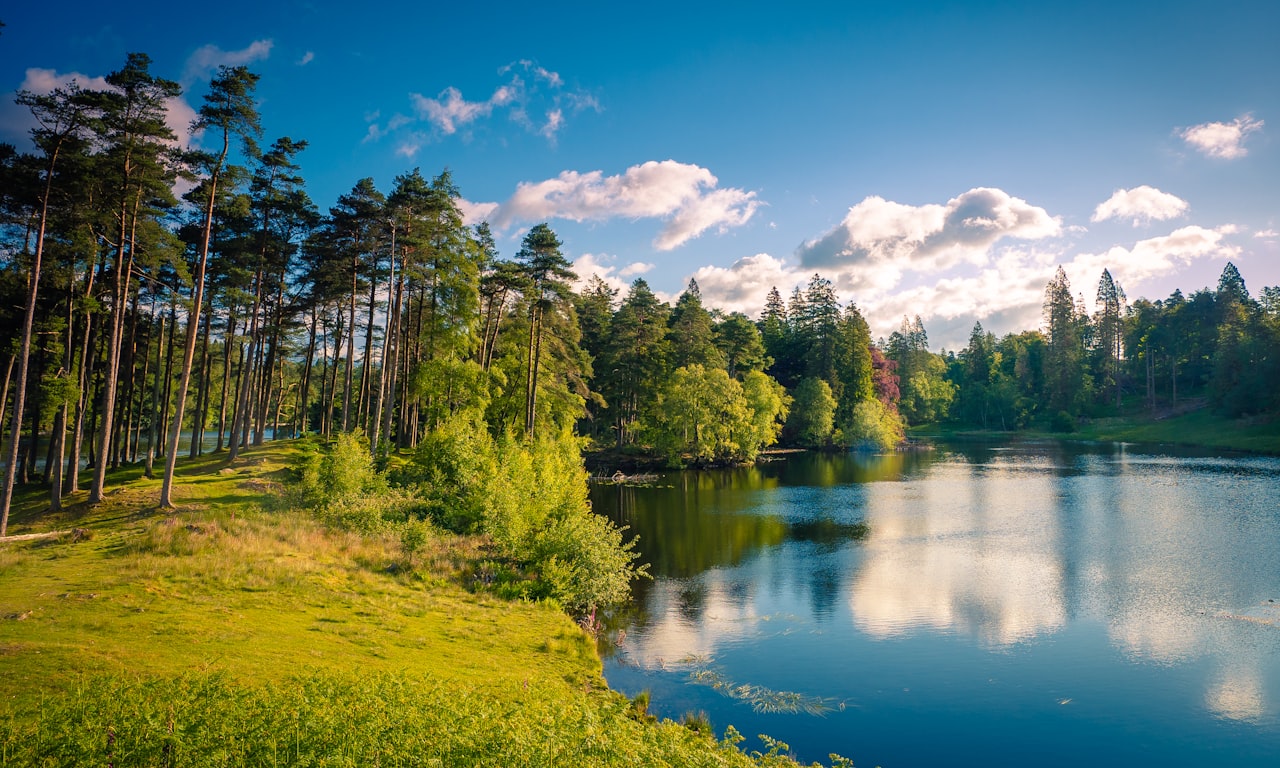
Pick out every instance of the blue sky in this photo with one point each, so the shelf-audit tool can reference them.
(938, 159)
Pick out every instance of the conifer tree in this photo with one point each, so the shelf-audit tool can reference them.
(548, 274)
(692, 332)
(138, 160)
(61, 117)
(228, 110)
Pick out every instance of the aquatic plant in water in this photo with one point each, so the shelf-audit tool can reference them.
(762, 699)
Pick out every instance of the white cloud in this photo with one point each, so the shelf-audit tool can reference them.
(307, 58)
(474, 213)
(1007, 295)
(1223, 140)
(744, 285)
(879, 240)
(178, 116)
(16, 121)
(205, 60)
(378, 131)
(555, 121)
(685, 196)
(1004, 292)
(635, 268)
(450, 111)
(1155, 256)
(529, 89)
(1142, 204)
(615, 277)
(409, 146)
(1266, 234)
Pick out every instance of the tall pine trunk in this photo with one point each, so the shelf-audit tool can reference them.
(193, 326)
(24, 352)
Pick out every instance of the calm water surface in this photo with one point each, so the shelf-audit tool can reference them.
(1031, 604)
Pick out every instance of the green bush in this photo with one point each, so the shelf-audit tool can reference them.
(452, 470)
(873, 425)
(1062, 422)
(341, 485)
(530, 498)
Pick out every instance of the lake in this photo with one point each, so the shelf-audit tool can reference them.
(1040, 603)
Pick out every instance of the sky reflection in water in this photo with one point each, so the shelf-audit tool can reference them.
(1073, 603)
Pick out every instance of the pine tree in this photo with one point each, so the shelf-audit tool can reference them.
(229, 110)
(139, 165)
(548, 273)
(739, 341)
(692, 332)
(636, 360)
(61, 117)
(1063, 357)
(1108, 336)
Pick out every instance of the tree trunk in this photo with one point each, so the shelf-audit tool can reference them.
(226, 376)
(8, 374)
(384, 370)
(200, 417)
(301, 417)
(193, 326)
(351, 349)
(333, 375)
(107, 407)
(153, 438)
(24, 352)
(240, 415)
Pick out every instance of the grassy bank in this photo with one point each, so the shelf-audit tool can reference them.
(238, 631)
(1201, 428)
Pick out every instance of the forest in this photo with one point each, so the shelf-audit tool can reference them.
(145, 325)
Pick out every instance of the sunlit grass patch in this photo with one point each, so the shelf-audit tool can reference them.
(238, 630)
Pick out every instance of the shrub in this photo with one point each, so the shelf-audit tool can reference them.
(452, 470)
(346, 492)
(1062, 422)
(873, 425)
(414, 537)
(530, 498)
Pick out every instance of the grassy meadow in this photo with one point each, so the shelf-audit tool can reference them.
(240, 631)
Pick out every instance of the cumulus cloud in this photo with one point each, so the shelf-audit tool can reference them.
(602, 266)
(1266, 234)
(474, 213)
(1223, 140)
(744, 285)
(16, 122)
(1157, 255)
(687, 197)
(635, 268)
(1141, 204)
(1005, 292)
(205, 60)
(888, 238)
(531, 96)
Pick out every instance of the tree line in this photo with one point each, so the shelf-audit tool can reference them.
(240, 312)
(1219, 347)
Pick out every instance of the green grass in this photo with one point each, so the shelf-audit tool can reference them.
(238, 631)
(1200, 428)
